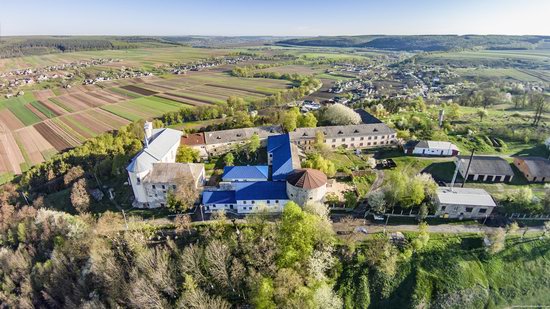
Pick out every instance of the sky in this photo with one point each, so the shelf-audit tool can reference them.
(277, 18)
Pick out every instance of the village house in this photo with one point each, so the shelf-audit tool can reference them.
(463, 203)
(430, 148)
(535, 169)
(153, 172)
(485, 168)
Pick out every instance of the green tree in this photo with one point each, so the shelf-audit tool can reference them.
(307, 120)
(187, 154)
(290, 120)
(229, 159)
(482, 113)
(326, 166)
(263, 298)
(253, 145)
(296, 236)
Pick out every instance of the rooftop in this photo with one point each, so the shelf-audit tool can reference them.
(171, 172)
(160, 143)
(431, 145)
(233, 135)
(218, 197)
(487, 165)
(465, 196)
(343, 131)
(307, 178)
(367, 117)
(538, 167)
(285, 158)
(260, 190)
(259, 172)
(193, 139)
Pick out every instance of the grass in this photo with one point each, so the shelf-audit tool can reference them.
(43, 109)
(6, 177)
(117, 110)
(60, 104)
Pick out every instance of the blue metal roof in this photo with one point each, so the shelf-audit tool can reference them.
(218, 197)
(279, 146)
(251, 173)
(260, 190)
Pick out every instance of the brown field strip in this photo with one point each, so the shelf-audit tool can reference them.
(91, 123)
(43, 95)
(9, 120)
(139, 90)
(108, 118)
(102, 97)
(88, 100)
(189, 98)
(72, 123)
(58, 111)
(156, 87)
(115, 96)
(181, 99)
(52, 136)
(237, 88)
(10, 154)
(34, 144)
(72, 103)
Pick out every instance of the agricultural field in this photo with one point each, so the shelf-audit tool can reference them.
(39, 124)
(139, 57)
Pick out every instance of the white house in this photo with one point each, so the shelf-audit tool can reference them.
(154, 171)
(430, 148)
(462, 203)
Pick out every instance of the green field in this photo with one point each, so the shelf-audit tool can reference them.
(144, 107)
(43, 109)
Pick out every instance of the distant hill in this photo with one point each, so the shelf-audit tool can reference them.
(422, 42)
(40, 45)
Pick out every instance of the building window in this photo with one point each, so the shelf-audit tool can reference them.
(154, 187)
(344, 139)
(174, 187)
(268, 201)
(138, 180)
(482, 210)
(276, 201)
(362, 138)
(253, 202)
(443, 208)
(469, 209)
(376, 137)
(370, 137)
(361, 144)
(333, 140)
(333, 146)
(244, 202)
(161, 204)
(353, 139)
(163, 187)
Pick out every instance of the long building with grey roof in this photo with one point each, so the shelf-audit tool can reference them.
(485, 168)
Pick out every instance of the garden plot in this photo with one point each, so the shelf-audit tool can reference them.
(11, 157)
(43, 94)
(9, 120)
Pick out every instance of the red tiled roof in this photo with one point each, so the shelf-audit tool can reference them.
(193, 139)
(307, 178)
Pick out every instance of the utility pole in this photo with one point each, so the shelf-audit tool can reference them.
(468, 168)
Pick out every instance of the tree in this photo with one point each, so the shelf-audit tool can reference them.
(73, 174)
(326, 166)
(454, 111)
(187, 154)
(79, 196)
(512, 228)
(539, 102)
(229, 159)
(320, 140)
(339, 114)
(482, 113)
(307, 120)
(546, 227)
(290, 120)
(497, 238)
(183, 197)
(254, 144)
(263, 298)
(325, 298)
(183, 223)
(377, 201)
(296, 236)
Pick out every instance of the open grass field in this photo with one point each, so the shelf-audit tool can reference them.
(506, 73)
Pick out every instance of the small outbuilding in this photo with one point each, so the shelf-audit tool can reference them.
(430, 148)
(535, 169)
(467, 203)
(485, 168)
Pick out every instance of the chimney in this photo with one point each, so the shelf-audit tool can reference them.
(148, 128)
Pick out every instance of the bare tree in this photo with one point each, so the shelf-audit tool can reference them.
(73, 174)
(79, 196)
(183, 223)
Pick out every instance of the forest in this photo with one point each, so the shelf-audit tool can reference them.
(422, 42)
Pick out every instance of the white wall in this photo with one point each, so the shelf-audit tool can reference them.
(432, 151)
